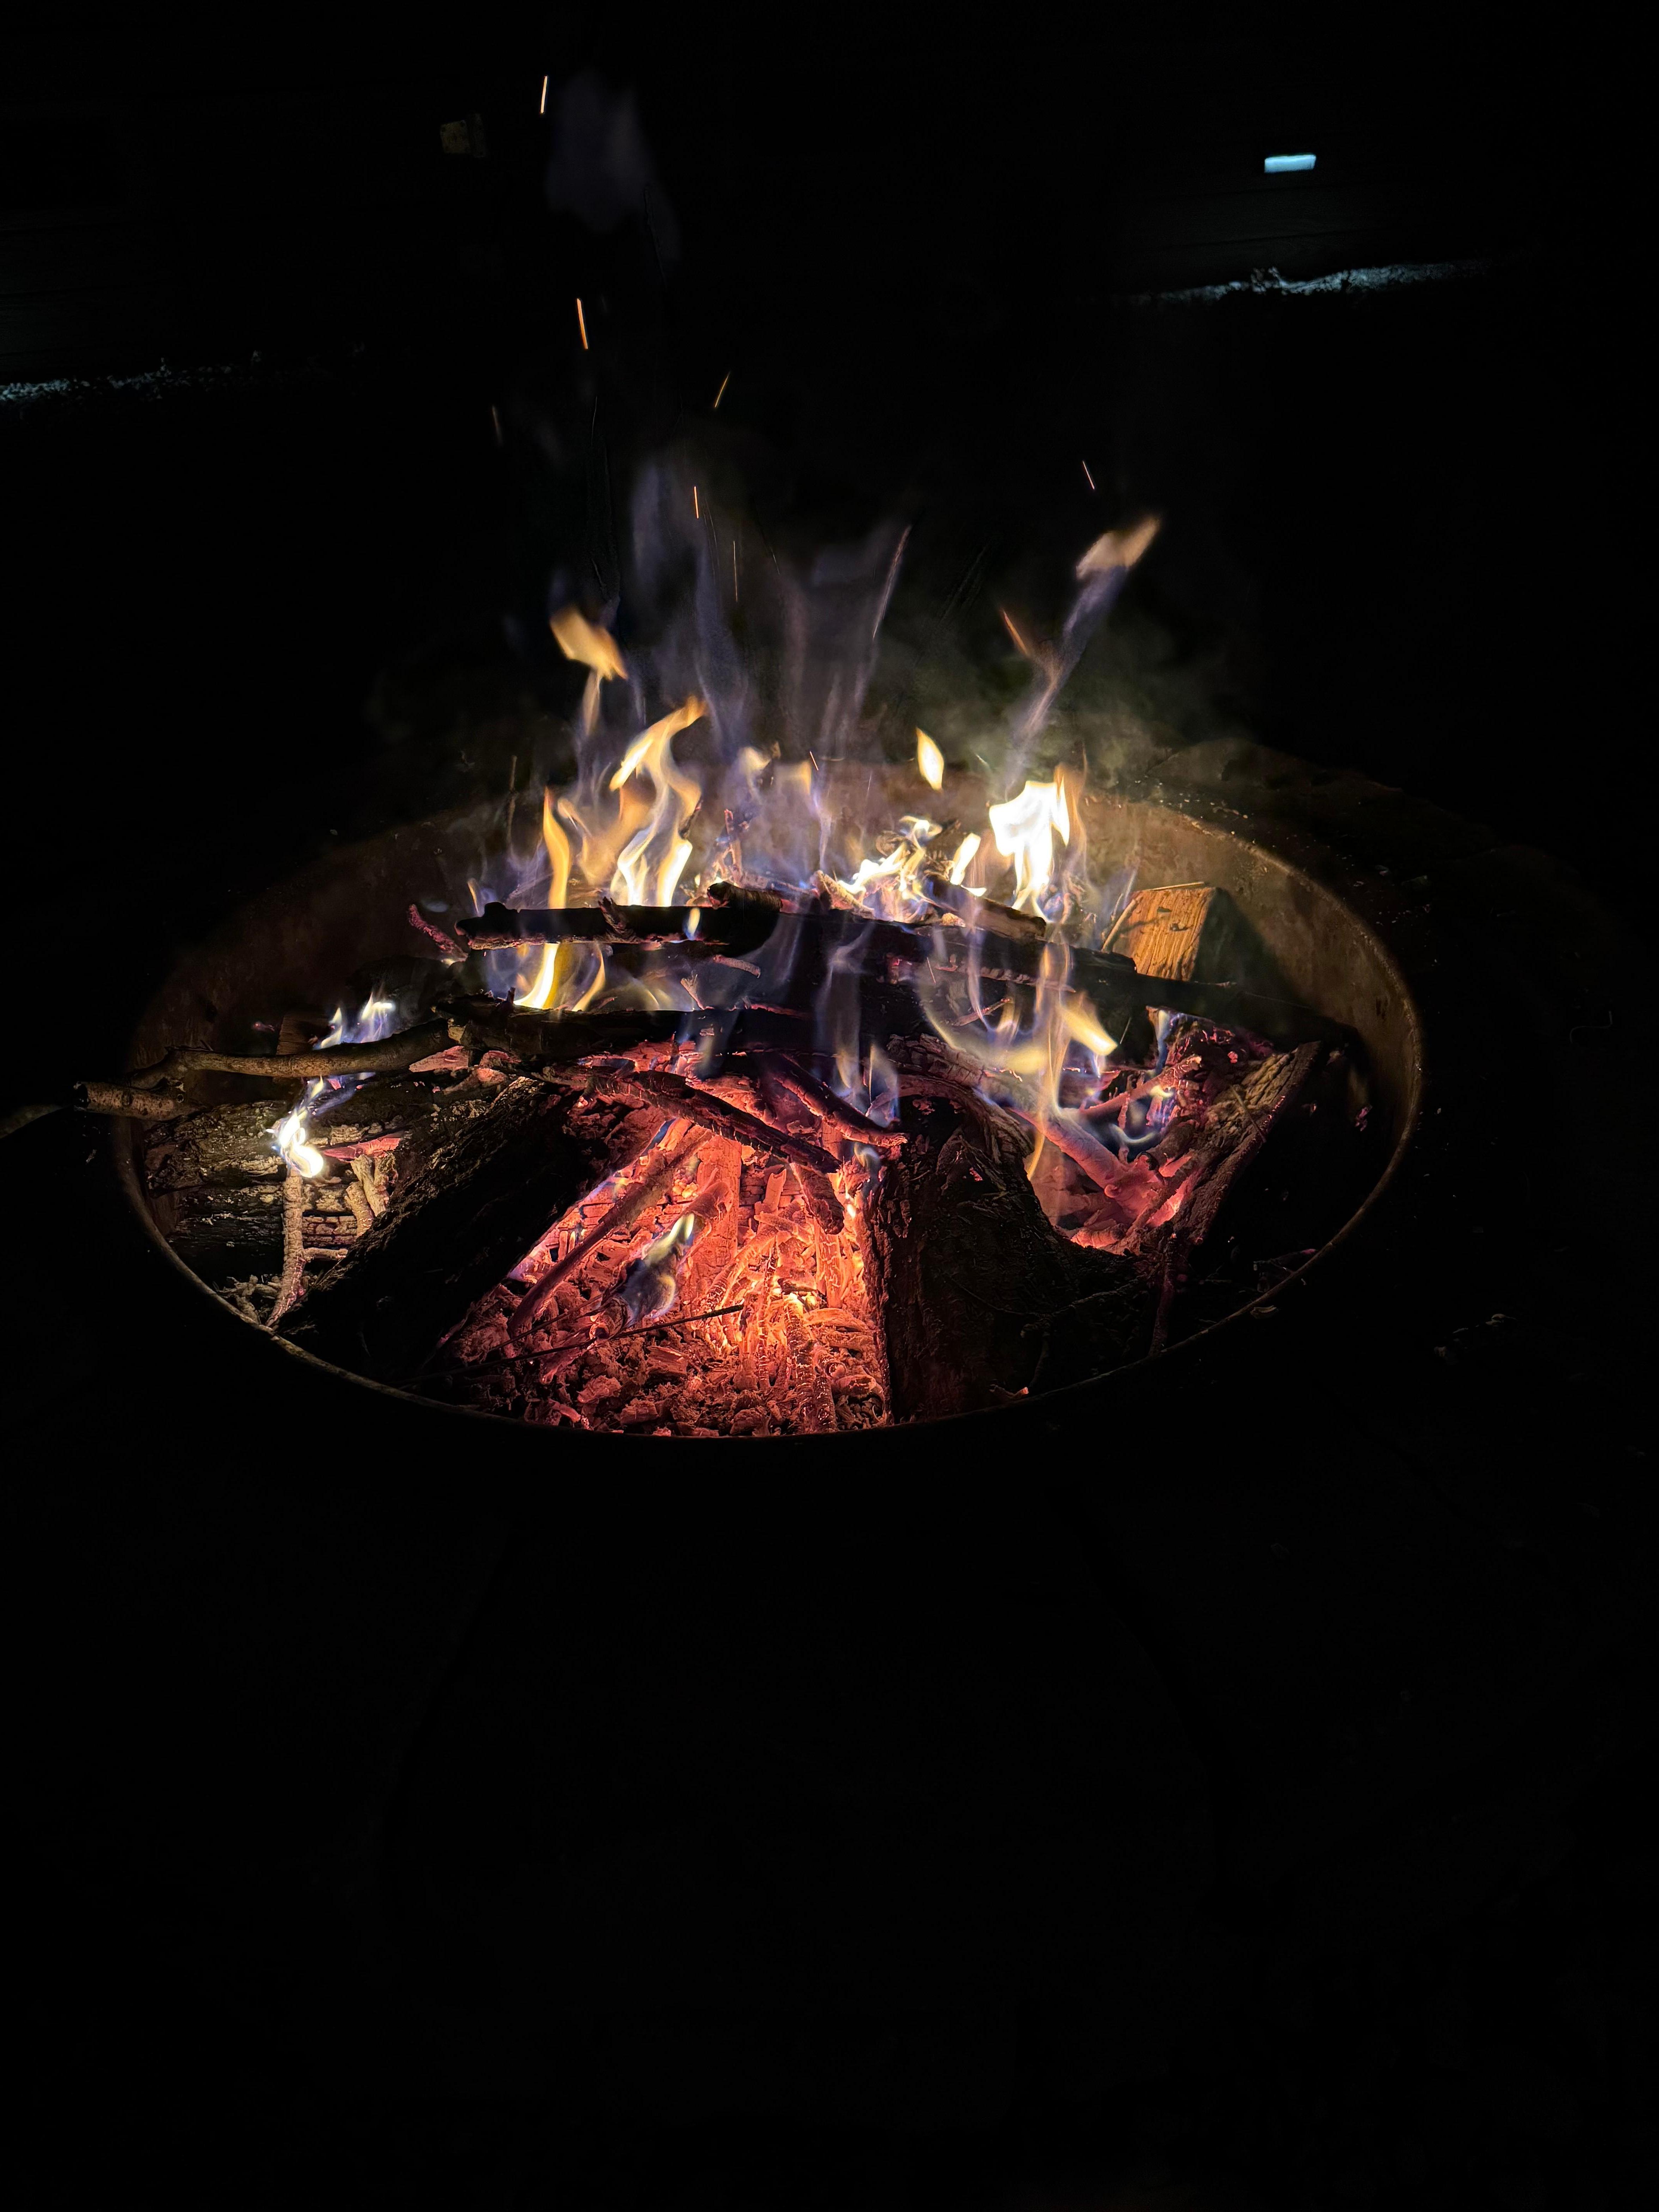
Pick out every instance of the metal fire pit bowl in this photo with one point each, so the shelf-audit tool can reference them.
(296, 944)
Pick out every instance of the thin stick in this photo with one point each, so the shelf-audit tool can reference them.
(293, 1256)
(120, 1098)
(385, 1055)
(581, 1343)
(834, 1112)
(696, 1105)
(627, 1208)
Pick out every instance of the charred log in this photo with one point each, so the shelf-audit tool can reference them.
(472, 1210)
(983, 1298)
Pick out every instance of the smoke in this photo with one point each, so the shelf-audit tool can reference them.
(600, 169)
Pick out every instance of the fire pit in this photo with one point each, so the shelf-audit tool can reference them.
(749, 1089)
(668, 1220)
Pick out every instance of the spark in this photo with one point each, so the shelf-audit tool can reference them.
(495, 420)
(542, 109)
(696, 509)
(1087, 478)
(581, 325)
(721, 394)
(1008, 620)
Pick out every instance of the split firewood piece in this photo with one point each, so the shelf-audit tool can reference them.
(677, 1096)
(465, 1215)
(1162, 930)
(821, 1102)
(1240, 1123)
(982, 913)
(646, 1189)
(982, 1298)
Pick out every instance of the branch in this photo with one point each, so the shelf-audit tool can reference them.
(820, 1100)
(626, 1208)
(386, 1053)
(693, 1103)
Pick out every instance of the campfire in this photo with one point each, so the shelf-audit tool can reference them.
(769, 1092)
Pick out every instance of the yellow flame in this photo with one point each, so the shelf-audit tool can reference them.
(558, 852)
(887, 883)
(963, 856)
(649, 865)
(930, 760)
(582, 639)
(557, 985)
(291, 1143)
(1080, 1021)
(1119, 549)
(1024, 831)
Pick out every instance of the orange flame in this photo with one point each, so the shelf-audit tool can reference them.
(649, 865)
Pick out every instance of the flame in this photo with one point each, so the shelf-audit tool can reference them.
(290, 1137)
(569, 978)
(1024, 831)
(582, 639)
(1119, 549)
(558, 852)
(649, 865)
(887, 885)
(963, 856)
(930, 760)
(650, 1287)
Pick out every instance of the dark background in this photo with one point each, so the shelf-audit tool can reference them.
(255, 601)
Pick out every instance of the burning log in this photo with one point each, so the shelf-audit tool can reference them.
(476, 1205)
(821, 1102)
(983, 1298)
(982, 913)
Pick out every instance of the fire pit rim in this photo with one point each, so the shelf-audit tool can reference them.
(1195, 807)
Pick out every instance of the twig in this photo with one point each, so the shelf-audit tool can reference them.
(384, 1055)
(627, 1208)
(451, 950)
(581, 1343)
(982, 913)
(120, 1098)
(696, 1105)
(820, 1100)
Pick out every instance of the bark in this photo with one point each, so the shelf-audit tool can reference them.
(982, 1298)
(467, 1216)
